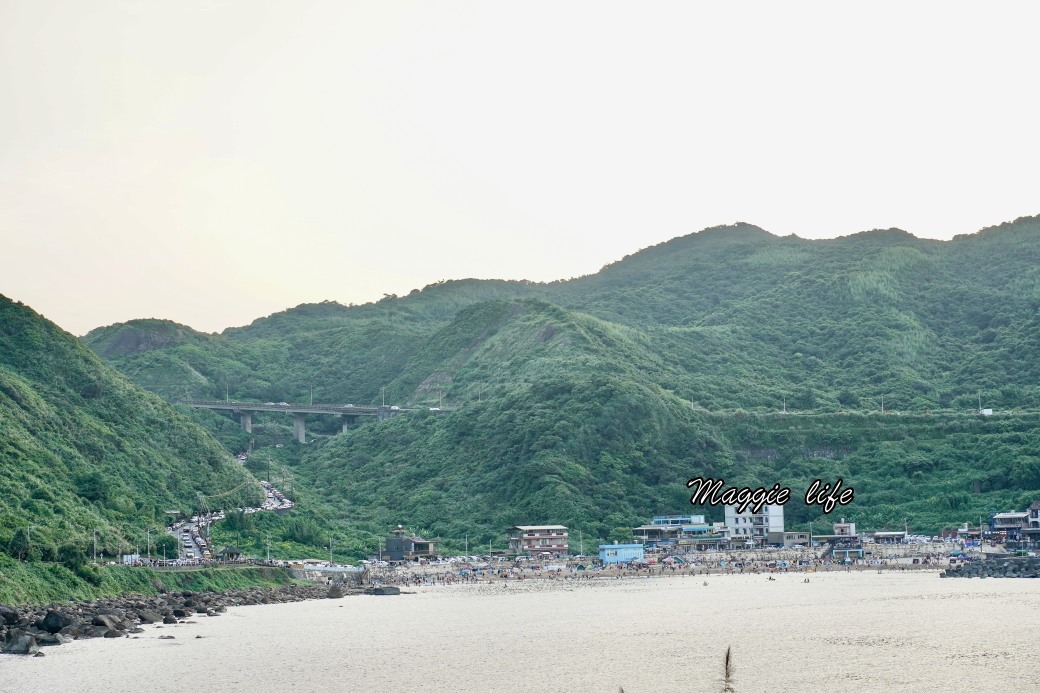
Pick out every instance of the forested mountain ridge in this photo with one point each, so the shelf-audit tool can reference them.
(591, 401)
(750, 319)
(82, 448)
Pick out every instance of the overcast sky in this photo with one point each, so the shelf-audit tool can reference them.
(214, 161)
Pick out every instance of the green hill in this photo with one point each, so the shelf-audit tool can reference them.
(591, 401)
(83, 449)
(576, 424)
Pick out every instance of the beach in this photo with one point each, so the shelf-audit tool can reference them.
(859, 631)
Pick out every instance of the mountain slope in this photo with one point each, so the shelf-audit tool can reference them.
(571, 429)
(593, 400)
(576, 425)
(82, 449)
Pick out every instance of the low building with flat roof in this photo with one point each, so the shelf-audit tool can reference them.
(612, 554)
(796, 538)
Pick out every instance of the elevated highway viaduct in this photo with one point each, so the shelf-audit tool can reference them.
(299, 412)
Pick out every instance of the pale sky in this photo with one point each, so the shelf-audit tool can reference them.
(214, 161)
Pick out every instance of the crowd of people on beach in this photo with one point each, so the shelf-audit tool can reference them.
(732, 563)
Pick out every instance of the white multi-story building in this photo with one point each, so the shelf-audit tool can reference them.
(756, 529)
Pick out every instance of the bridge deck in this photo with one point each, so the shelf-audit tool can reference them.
(292, 408)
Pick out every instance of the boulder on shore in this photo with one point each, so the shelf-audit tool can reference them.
(8, 616)
(22, 643)
(55, 621)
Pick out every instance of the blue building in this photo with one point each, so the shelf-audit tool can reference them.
(620, 553)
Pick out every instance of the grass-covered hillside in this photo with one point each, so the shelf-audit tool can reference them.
(745, 319)
(591, 401)
(82, 448)
(580, 428)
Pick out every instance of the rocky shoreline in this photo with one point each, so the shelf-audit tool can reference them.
(997, 567)
(24, 630)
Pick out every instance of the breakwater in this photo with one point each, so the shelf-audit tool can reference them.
(998, 566)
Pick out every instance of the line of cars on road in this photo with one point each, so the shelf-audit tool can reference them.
(194, 548)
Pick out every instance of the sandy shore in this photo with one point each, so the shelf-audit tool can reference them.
(840, 632)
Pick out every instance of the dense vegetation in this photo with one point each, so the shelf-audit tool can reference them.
(37, 582)
(591, 401)
(83, 449)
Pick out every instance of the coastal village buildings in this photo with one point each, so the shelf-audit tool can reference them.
(796, 539)
(763, 528)
(538, 540)
(403, 546)
(1031, 532)
(612, 554)
(1011, 524)
(669, 530)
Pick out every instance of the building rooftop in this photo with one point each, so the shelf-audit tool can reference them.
(531, 528)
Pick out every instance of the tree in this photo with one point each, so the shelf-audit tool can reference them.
(165, 545)
(18, 547)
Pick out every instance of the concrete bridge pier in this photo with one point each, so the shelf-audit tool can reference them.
(298, 430)
(246, 418)
(346, 422)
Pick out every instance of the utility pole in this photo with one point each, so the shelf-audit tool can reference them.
(330, 549)
(882, 405)
(581, 543)
(148, 542)
(810, 534)
(227, 391)
(312, 396)
(466, 550)
(95, 547)
(268, 548)
(785, 405)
